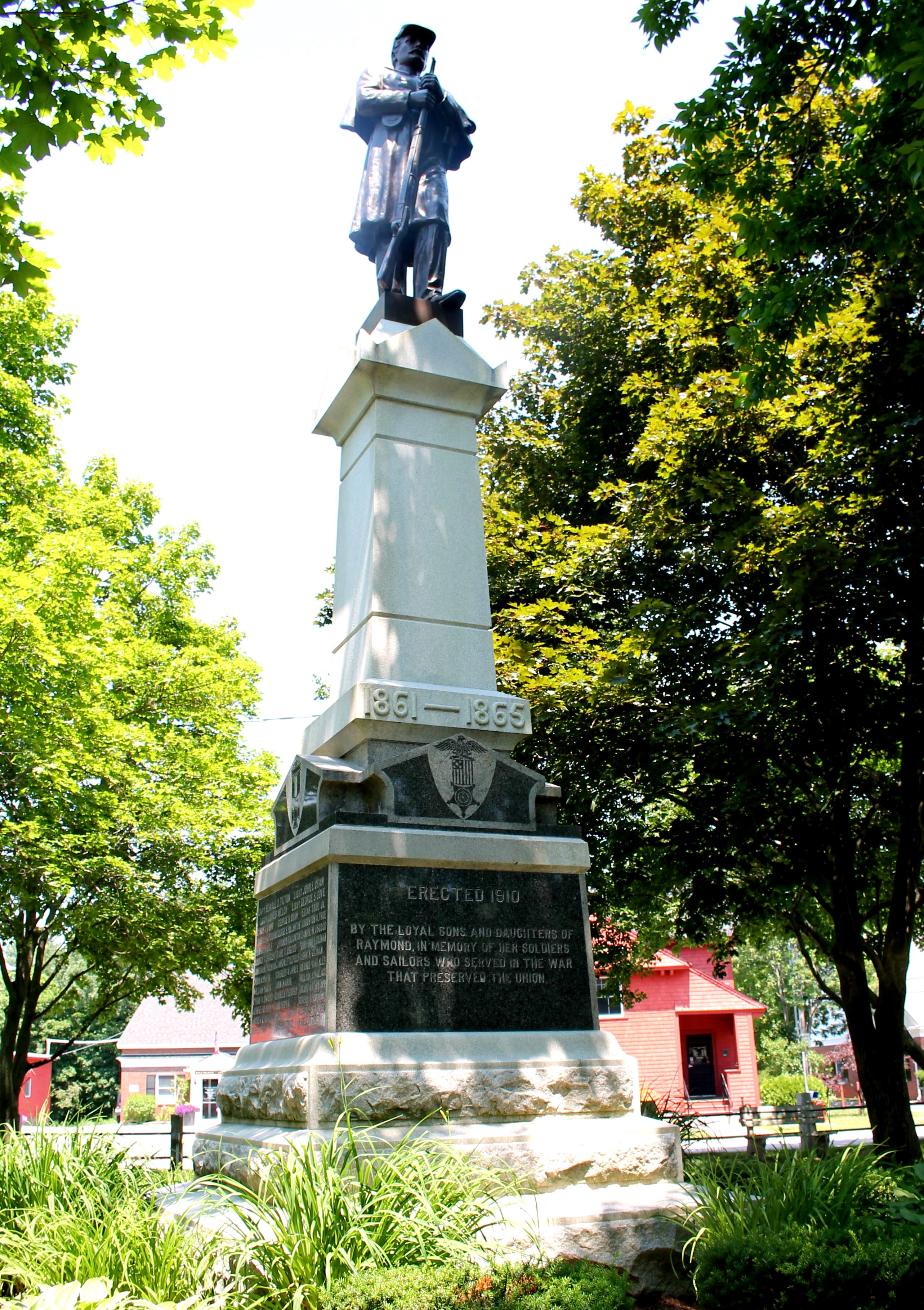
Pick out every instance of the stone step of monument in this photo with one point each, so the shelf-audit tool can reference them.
(634, 1227)
(540, 1154)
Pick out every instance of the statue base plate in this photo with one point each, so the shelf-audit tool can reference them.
(411, 310)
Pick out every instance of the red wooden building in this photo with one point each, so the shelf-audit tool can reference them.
(35, 1093)
(693, 1034)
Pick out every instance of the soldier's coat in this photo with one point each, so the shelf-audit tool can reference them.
(380, 115)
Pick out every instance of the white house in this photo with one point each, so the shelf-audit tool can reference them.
(162, 1043)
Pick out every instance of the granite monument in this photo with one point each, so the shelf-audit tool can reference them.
(422, 925)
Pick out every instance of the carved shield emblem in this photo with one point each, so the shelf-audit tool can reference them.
(295, 794)
(463, 772)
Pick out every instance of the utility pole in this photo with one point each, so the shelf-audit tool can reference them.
(804, 1049)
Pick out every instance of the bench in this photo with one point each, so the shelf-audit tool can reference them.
(762, 1121)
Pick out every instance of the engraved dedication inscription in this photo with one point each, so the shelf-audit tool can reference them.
(290, 969)
(460, 950)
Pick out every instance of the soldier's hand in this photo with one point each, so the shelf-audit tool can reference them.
(421, 100)
(430, 82)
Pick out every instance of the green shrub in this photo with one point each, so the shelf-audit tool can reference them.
(798, 1231)
(798, 1269)
(781, 1088)
(562, 1285)
(139, 1110)
(899, 1198)
(424, 1287)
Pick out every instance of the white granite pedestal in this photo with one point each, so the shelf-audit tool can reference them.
(422, 930)
(557, 1111)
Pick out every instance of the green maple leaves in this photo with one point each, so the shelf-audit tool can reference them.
(78, 71)
(132, 815)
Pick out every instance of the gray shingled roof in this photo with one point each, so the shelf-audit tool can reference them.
(162, 1026)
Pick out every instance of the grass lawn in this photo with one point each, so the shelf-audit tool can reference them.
(857, 1118)
(851, 1119)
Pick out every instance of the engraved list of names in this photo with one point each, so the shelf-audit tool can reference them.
(290, 969)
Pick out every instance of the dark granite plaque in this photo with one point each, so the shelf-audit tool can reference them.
(290, 966)
(460, 950)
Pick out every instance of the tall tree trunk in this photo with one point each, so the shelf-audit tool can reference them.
(12, 1069)
(23, 985)
(9, 1094)
(878, 1046)
(893, 1125)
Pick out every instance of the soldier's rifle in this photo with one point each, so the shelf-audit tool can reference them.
(408, 202)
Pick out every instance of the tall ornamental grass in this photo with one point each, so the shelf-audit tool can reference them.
(72, 1210)
(792, 1189)
(800, 1233)
(46, 1169)
(332, 1207)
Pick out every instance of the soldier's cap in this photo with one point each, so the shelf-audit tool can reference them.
(417, 28)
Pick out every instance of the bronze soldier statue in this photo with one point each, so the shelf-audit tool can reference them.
(414, 132)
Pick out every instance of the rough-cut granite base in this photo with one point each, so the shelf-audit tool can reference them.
(558, 1110)
(634, 1227)
(482, 1076)
(542, 1154)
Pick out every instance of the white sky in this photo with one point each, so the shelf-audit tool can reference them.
(218, 295)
